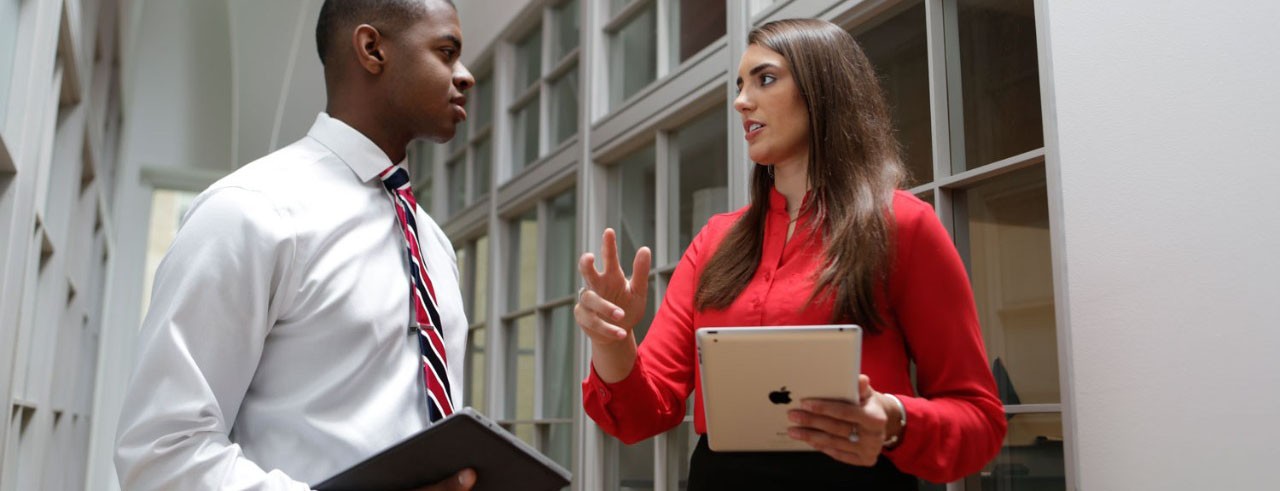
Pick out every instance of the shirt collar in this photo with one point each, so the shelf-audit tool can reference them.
(363, 156)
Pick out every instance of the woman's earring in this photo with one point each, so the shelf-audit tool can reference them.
(770, 168)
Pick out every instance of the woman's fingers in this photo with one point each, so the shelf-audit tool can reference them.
(596, 327)
(640, 272)
(609, 251)
(593, 302)
(587, 268)
(817, 421)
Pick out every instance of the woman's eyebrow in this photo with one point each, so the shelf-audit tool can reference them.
(758, 68)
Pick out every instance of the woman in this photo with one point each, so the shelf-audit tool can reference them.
(827, 238)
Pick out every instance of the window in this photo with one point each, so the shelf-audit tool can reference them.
(168, 208)
(9, 10)
(999, 82)
(540, 379)
(473, 271)
(898, 50)
(421, 169)
(524, 141)
(470, 153)
(695, 24)
(545, 86)
(998, 213)
(690, 180)
(481, 121)
(564, 77)
(633, 50)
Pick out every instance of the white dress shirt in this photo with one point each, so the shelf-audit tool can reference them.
(277, 349)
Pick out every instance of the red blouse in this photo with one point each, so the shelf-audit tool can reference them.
(956, 423)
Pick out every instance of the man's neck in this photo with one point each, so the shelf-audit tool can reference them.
(368, 125)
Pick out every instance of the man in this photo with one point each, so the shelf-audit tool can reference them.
(283, 342)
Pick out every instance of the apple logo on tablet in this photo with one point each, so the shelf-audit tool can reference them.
(781, 396)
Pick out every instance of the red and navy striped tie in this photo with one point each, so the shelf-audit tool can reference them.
(423, 296)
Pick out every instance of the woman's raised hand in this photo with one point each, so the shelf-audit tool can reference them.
(611, 305)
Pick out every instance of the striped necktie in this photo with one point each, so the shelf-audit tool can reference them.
(423, 295)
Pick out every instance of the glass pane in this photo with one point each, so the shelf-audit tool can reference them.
(631, 208)
(528, 61)
(559, 445)
(1008, 229)
(564, 101)
(421, 166)
(481, 107)
(520, 368)
(631, 212)
(634, 56)
(480, 304)
(483, 160)
(694, 25)
(464, 279)
(524, 142)
(476, 369)
(525, 432)
(167, 209)
(456, 170)
(459, 140)
(1000, 79)
(558, 381)
(683, 440)
(1031, 459)
(898, 50)
(421, 160)
(562, 259)
(927, 197)
(9, 10)
(616, 6)
(699, 175)
(757, 6)
(566, 37)
(522, 275)
(635, 466)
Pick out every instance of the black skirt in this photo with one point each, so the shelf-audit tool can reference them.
(711, 470)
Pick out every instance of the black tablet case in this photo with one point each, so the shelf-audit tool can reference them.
(464, 439)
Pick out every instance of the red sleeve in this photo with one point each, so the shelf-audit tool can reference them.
(957, 423)
(651, 399)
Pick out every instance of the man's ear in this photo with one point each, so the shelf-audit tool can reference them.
(368, 44)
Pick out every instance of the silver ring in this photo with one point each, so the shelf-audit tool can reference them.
(853, 435)
(580, 292)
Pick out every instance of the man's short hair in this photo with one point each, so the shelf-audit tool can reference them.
(388, 16)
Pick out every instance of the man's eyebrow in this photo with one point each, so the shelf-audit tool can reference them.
(457, 43)
(758, 68)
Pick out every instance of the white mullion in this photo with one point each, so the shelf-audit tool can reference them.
(955, 90)
(662, 171)
(662, 178)
(940, 133)
(589, 442)
(540, 316)
(663, 38)
(544, 89)
(737, 25)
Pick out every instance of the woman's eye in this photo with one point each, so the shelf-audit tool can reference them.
(766, 79)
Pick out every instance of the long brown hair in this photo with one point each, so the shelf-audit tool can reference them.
(854, 167)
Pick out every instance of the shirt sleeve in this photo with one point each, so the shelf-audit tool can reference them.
(651, 399)
(957, 423)
(216, 295)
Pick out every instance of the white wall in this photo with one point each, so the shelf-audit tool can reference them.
(1167, 117)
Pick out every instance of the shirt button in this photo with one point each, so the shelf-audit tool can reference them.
(768, 276)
